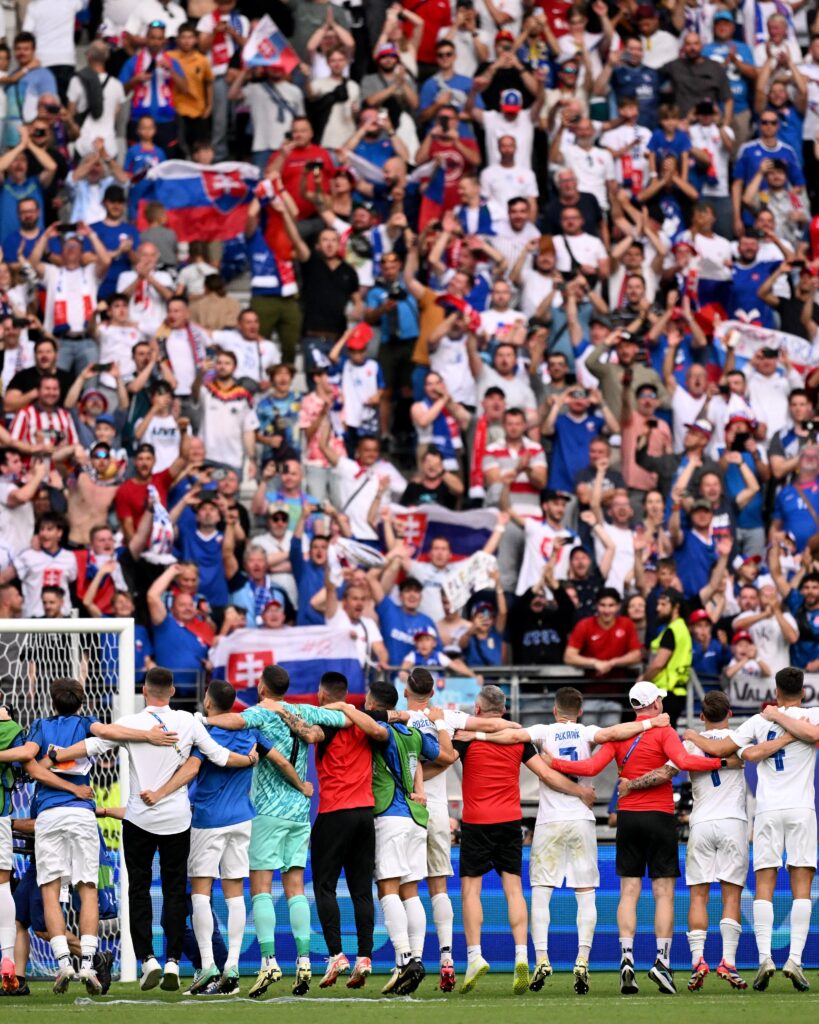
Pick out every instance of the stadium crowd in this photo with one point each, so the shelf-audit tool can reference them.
(549, 267)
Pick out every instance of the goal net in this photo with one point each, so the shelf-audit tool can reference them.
(99, 653)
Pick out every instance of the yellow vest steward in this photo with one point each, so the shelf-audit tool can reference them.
(674, 677)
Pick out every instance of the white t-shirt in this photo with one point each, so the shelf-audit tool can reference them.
(517, 389)
(116, 346)
(163, 433)
(562, 739)
(633, 165)
(718, 795)
(268, 131)
(771, 646)
(17, 359)
(586, 249)
(514, 8)
(53, 25)
(449, 358)
(151, 767)
(684, 409)
(77, 289)
(659, 48)
(340, 124)
(539, 540)
(226, 418)
(38, 569)
(623, 562)
(358, 488)
(496, 125)
(593, 168)
(180, 356)
(103, 127)
(466, 63)
(172, 16)
(253, 358)
(16, 524)
(146, 307)
(500, 184)
(366, 632)
(784, 781)
(709, 139)
(435, 788)
(534, 289)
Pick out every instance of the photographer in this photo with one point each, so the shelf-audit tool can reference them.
(394, 311)
(745, 470)
(631, 364)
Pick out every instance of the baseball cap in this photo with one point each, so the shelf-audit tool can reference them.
(741, 634)
(114, 194)
(504, 35)
(769, 353)
(683, 245)
(360, 337)
(94, 395)
(145, 447)
(647, 387)
(700, 615)
(742, 417)
(277, 599)
(386, 50)
(646, 11)
(485, 606)
(701, 505)
(550, 494)
(644, 693)
(106, 417)
(601, 318)
(724, 16)
(278, 506)
(702, 425)
(345, 171)
(511, 100)
(425, 631)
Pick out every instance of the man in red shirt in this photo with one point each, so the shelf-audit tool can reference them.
(437, 14)
(606, 645)
(132, 496)
(491, 834)
(646, 827)
(291, 163)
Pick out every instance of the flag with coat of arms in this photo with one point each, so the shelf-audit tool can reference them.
(267, 47)
(206, 202)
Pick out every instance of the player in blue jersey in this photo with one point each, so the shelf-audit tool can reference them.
(220, 836)
(66, 842)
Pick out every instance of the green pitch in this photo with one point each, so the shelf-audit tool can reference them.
(492, 1001)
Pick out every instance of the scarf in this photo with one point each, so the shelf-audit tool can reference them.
(223, 46)
(160, 82)
(61, 291)
(479, 443)
(484, 220)
(195, 341)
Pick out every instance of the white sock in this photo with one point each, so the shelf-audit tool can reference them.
(763, 927)
(443, 916)
(237, 918)
(800, 923)
(88, 947)
(202, 919)
(541, 916)
(521, 954)
(730, 930)
(59, 947)
(586, 921)
(7, 917)
(664, 951)
(395, 921)
(473, 953)
(627, 947)
(696, 943)
(416, 925)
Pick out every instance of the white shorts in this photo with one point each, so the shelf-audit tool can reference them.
(5, 844)
(439, 843)
(791, 832)
(400, 849)
(717, 852)
(220, 852)
(564, 851)
(67, 846)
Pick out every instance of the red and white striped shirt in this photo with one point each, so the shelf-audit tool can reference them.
(54, 427)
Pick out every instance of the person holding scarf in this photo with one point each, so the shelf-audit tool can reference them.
(149, 77)
(183, 350)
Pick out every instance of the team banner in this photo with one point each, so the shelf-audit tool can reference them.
(747, 339)
(467, 532)
(306, 652)
(267, 47)
(204, 201)
(749, 693)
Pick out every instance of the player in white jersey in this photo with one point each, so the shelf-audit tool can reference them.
(785, 815)
(564, 848)
(419, 691)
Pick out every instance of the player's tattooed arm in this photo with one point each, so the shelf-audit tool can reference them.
(289, 773)
(649, 780)
(300, 729)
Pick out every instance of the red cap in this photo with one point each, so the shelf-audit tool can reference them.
(700, 615)
(743, 634)
(360, 337)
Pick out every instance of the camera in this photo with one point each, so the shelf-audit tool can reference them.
(315, 165)
(812, 426)
(51, 108)
(361, 246)
(396, 291)
(66, 229)
(443, 121)
(19, 322)
(739, 442)
(101, 367)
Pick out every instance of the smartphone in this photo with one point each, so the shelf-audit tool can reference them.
(739, 442)
(652, 423)
(101, 367)
(19, 321)
(66, 229)
(570, 379)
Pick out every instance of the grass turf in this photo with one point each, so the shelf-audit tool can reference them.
(126, 1005)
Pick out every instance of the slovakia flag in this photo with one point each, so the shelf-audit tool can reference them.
(267, 47)
(206, 202)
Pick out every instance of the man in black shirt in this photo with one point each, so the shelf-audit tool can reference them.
(328, 284)
(24, 385)
(568, 194)
(435, 484)
(539, 626)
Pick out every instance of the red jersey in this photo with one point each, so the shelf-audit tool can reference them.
(294, 164)
(635, 757)
(437, 14)
(491, 781)
(591, 640)
(133, 494)
(344, 765)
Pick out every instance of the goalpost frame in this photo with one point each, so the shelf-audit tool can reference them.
(126, 697)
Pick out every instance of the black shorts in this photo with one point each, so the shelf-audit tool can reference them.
(484, 847)
(647, 839)
(395, 358)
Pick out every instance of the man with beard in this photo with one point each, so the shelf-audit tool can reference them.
(671, 653)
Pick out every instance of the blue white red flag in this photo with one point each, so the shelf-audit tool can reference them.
(467, 532)
(306, 652)
(267, 47)
(204, 201)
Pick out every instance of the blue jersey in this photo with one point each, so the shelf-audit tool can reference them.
(178, 649)
(745, 283)
(399, 628)
(62, 731)
(377, 151)
(389, 751)
(221, 796)
(750, 517)
(695, 559)
(753, 153)
(806, 648)
(310, 580)
(644, 84)
(570, 448)
(662, 146)
(206, 552)
(708, 662)
(737, 83)
(791, 509)
(112, 237)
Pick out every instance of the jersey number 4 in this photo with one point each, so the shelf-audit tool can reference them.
(779, 756)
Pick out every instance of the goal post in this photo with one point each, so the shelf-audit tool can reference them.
(100, 654)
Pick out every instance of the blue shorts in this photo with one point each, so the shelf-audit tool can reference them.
(28, 903)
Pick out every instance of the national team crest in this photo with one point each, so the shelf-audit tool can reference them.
(225, 189)
(245, 667)
(414, 525)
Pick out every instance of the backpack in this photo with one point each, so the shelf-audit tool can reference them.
(90, 82)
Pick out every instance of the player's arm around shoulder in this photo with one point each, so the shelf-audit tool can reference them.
(657, 777)
(559, 782)
(627, 730)
(377, 731)
(804, 727)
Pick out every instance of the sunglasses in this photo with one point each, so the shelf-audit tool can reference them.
(279, 517)
(769, 120)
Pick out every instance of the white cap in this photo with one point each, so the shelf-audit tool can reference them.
(643, 694)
